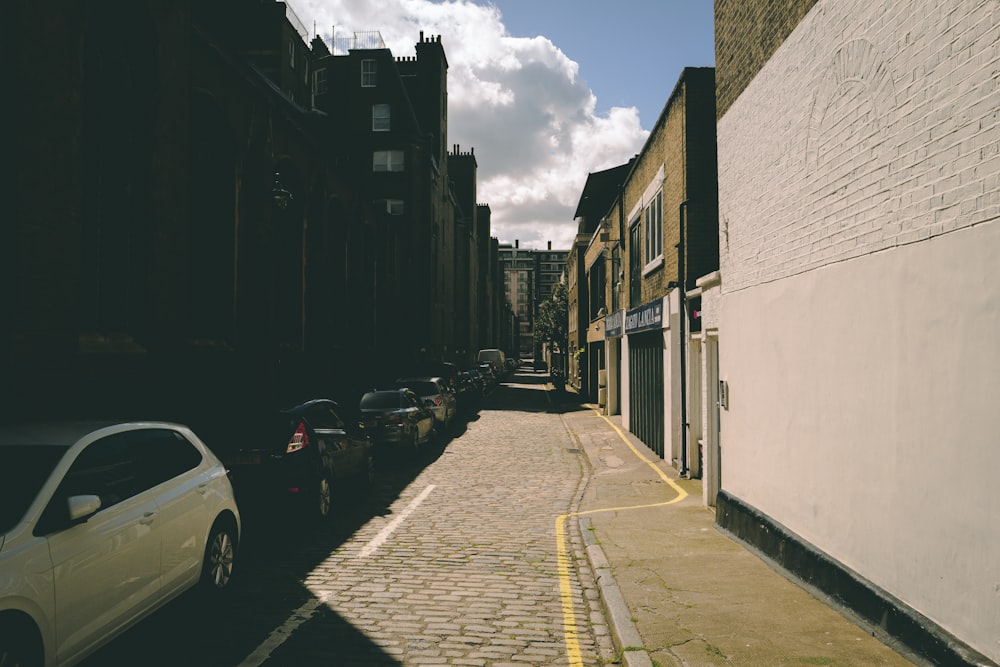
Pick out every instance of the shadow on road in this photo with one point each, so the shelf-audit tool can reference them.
(280, 548)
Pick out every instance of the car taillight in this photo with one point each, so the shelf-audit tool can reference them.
(299, 439)
(438, 400)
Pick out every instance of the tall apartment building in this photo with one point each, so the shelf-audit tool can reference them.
(529, 278)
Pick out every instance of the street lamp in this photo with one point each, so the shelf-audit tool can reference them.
(279, 195)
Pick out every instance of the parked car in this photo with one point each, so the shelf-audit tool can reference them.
(100, 525)
(471, 386)
(396, 417)
(445, 370)
(490, 374)
(300, 454)
(494, 357)
(436, 395)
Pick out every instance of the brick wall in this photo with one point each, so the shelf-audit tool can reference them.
(747, 33)
(875, 125)
(683, 144)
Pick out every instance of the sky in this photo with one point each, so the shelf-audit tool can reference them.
(544, 91)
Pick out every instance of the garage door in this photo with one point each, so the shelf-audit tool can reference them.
(645, 354)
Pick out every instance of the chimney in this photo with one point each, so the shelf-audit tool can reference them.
(517, 244)
(550, 245)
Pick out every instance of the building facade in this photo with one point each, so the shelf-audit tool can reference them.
(219, 236)
(529, 277)
(598, 225)
(858, 311)
(658, 234)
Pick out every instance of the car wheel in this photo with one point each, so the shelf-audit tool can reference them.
(324, 497)
(220, 557)
(15, 648)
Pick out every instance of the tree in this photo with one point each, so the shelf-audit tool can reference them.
(552, 322)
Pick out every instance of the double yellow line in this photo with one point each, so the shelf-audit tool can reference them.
(562, 552)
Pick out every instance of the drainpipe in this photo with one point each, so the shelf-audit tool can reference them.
(681, 281)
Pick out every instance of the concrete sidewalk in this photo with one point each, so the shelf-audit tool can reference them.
(677, 590)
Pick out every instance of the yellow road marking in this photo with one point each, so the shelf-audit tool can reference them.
(562, 557)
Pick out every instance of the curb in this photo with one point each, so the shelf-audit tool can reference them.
(623, 630)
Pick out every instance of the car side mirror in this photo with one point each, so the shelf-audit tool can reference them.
(82, 508)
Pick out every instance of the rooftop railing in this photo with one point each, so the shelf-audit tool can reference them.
(366, 39)
(296, 22)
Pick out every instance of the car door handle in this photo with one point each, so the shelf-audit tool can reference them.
(147, 518)
(203, 488)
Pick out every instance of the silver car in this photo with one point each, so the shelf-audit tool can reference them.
(100, 525)
(435, 394)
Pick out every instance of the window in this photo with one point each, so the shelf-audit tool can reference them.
(323, 416)
(380, 117)
(394, 206)
(387, 161)
(368, 74)
(291, 53)
(634, 263)
(319, 82)
(654, 228)
(163, 454)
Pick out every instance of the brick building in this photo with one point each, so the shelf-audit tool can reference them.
(194, 230)
(633, 270)
(857, 310)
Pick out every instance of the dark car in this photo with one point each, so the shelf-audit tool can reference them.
(397, 417)
(471, 387)
(301, 453)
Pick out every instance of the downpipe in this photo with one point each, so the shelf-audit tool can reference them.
(682, 283)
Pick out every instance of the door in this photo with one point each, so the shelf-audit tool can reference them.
(646, 389)
(713, 463)
(107, 570)
(174, 467)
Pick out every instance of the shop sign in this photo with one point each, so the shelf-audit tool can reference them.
(614, 324)
(644, 318)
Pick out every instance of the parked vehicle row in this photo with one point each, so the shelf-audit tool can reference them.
(103, 523)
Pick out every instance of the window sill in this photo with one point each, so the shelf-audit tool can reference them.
(652, 266)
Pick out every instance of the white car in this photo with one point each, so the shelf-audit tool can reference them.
(100, 525)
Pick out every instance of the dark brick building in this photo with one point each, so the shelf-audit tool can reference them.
(194, 228)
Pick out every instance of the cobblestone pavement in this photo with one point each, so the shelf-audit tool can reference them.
(466, 558)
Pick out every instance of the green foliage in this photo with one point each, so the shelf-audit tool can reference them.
(552, 321)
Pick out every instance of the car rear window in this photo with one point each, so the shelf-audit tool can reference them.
(23, 471)
(422, 388)
(380, 399)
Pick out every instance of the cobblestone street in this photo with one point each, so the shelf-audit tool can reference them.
(463, 557)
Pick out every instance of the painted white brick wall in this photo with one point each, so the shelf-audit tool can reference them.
(859, 201)
(880, 126)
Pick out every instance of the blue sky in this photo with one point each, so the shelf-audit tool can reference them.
(630, 52)
(544, 91)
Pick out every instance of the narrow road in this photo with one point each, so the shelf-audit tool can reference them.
(461, 556)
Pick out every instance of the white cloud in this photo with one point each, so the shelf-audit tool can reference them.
(519, 102)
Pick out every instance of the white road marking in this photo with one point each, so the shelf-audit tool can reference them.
(278, 637)
(306, 611)
(391, 527)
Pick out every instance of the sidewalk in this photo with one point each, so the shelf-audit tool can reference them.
(677, 590)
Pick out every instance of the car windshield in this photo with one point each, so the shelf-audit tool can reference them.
(379, 400)
(23, 471)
